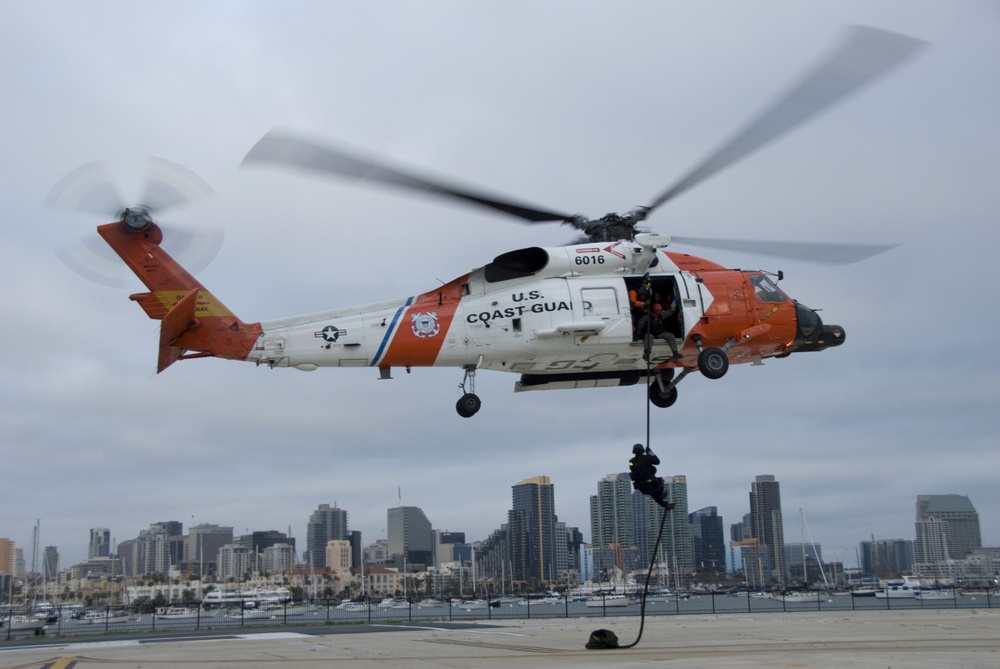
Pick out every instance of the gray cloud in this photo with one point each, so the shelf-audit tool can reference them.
(580, 106)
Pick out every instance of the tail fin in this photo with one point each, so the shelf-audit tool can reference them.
(194, 323)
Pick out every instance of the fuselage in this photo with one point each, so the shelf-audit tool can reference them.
(545, 311)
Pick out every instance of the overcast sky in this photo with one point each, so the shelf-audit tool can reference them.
(578, 106)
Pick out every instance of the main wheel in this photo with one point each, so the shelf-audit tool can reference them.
(713, 363)
(662, 399)
(468, 405)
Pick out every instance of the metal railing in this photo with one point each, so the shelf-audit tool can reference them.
(193, 616)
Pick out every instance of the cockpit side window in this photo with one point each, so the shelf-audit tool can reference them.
(766, 290)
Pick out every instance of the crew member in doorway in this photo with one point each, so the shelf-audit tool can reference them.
(642, 471)
(655, 325)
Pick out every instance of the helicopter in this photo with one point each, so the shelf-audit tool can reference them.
(567, 317)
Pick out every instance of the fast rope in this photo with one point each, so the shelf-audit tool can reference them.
(606, 639)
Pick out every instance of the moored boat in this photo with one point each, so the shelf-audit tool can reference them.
(608, 600)
(175, 613)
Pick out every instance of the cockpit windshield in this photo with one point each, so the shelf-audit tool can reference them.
(766, 290)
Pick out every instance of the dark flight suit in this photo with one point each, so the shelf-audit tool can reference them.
(642, 471)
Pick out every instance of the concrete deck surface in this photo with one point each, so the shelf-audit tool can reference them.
(969, 639)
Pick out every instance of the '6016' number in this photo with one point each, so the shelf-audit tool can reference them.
(589, 260)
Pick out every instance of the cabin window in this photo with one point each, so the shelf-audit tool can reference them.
(765, 289)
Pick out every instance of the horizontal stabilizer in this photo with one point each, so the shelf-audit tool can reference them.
(151, 304)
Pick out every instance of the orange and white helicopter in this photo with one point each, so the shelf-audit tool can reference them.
(559, 317)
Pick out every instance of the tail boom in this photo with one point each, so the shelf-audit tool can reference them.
(194, 323)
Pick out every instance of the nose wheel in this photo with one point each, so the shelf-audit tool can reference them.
(469, 403)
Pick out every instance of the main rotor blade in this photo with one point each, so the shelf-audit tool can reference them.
(276, 147)
(867, 54)
(818, 252)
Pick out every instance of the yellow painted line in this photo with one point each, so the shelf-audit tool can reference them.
(61, 663)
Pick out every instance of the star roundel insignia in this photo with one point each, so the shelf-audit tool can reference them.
(330, 333)
(425, 324)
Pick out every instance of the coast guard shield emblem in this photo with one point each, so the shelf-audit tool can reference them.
(425, 325)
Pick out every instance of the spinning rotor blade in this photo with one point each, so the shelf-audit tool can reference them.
(90, 189)
(87, 189)
(867, 54)
(818, 252)
(276, 147)
(169, 185)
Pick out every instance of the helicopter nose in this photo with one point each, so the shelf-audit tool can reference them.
(829, 336)
(811, 334)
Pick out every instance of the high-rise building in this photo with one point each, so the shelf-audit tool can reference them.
(766, 524)
(50, 562)
(886, 557)
(278, 558)
(232, 561)
(947, 528)
(151, 554)
(410, 535)
(326, 523)
(175, 540)
(448, 546)
(534, 520)
(569, 565)
(675, 558)
(7, 563)
(100, 543)
(708, 541)
(259, 541)
(612, 520)
(201, 550)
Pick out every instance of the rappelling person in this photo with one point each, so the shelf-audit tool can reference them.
(642, 471)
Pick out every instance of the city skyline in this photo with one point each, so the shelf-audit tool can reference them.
(950, 502)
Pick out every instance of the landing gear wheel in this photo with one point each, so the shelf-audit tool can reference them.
(468, 405)
(713, 363)
(662, 399)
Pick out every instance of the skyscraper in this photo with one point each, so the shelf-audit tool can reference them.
(708, 541)
(676, 555)
(947, 528)
(766, 524)
(325, 523)
(534, 515)
(886, 557)
(6, 556)
(410, 535)
(50, 562)
(612, 520)
(201, 551)
(100, 543)
(151, 553)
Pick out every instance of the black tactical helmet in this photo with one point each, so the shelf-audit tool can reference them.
(638, 449)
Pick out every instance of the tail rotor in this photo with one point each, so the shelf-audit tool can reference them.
(91, 190)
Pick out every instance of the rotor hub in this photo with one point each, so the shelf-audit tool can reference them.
(136, 219)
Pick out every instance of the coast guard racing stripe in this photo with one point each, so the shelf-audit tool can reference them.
(422, 327)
